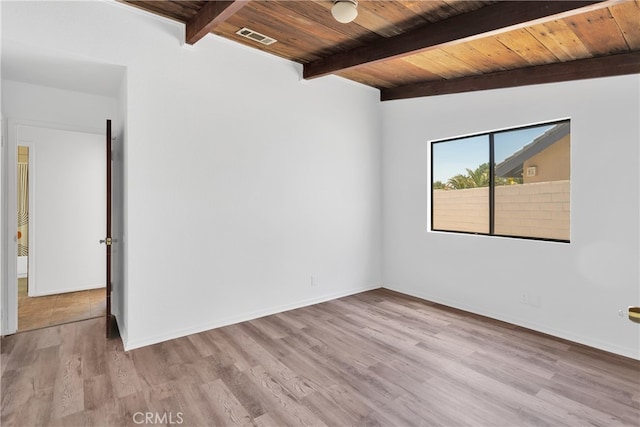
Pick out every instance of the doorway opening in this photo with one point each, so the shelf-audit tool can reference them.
(75, 94)
(60, 218)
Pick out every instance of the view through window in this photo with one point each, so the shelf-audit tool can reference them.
(509, 183)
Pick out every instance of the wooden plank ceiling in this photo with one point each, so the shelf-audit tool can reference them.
(421, 48)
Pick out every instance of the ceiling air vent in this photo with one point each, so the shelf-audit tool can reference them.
(255, 36)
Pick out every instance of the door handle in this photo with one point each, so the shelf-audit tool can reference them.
(108, 241)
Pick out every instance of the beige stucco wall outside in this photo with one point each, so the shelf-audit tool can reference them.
(529, 210)
(552, 164)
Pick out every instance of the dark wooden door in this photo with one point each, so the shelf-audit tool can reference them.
(110, 319)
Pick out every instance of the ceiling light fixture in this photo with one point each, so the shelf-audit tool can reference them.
(345, 11)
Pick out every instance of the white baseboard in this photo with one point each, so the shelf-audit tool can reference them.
(632, 353)
(121, 327)
(130, 345)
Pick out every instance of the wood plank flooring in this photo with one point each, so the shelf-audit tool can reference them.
(40, 312)
(373, 359)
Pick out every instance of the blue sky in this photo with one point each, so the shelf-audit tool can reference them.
(451, 157)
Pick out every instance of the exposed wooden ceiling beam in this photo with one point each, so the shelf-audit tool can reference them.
(487, 21)
(606, 66)
(212, 14)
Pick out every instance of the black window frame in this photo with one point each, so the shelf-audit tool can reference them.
(491, 198)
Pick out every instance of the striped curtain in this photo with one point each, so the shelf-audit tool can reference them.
(23, 209)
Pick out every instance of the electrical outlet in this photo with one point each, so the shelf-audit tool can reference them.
(314, 281)
(529, 299)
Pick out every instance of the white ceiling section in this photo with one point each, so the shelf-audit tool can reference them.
(37, 66)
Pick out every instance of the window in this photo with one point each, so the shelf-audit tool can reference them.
(512, 183)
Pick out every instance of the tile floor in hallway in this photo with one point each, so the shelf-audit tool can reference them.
(39, 312)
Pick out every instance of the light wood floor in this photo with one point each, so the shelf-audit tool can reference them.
(377, 358)
(39, 312)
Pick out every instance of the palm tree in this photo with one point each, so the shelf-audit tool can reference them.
(473, 179)
(477, 178)
(480, 176)
(459, 182)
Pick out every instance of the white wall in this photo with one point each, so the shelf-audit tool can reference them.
(241, 181)
(581, 285)
(3, 206)
(67, 209)
(86, 112)
(118, 224)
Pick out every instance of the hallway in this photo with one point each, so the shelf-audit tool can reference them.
(40, 312)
